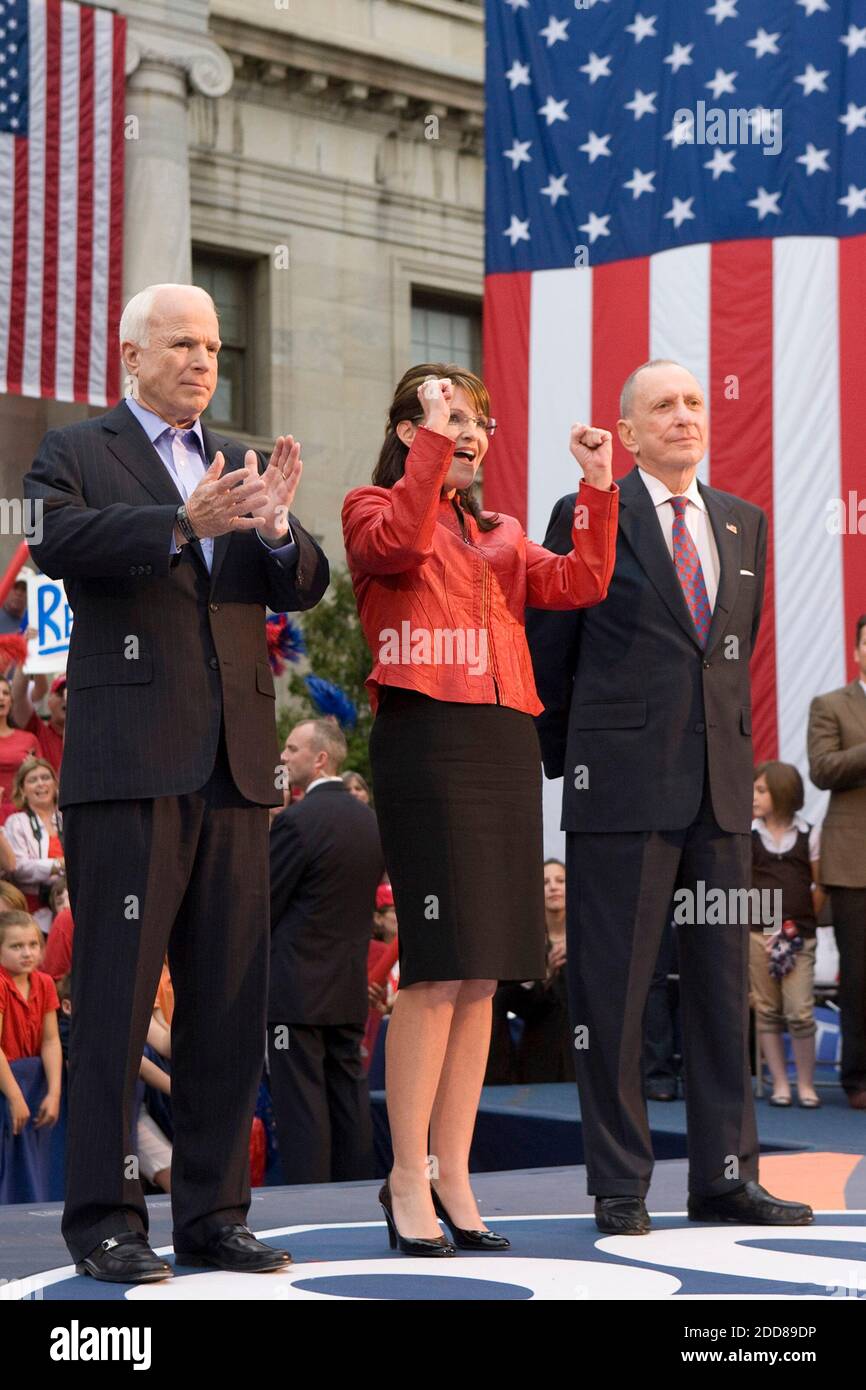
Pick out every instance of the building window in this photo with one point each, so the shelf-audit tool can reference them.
(231, 284)
(446, 329)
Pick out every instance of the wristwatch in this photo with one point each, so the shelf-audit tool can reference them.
(184, 525)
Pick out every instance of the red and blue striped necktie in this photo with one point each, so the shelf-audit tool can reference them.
(689, 572)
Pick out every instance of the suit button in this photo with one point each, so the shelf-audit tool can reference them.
(132, 569)
(214, 607)
(214, 665)
(706, 666)
(699, 728)
(148, 569)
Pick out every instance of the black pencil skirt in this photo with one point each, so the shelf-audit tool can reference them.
(457, 789)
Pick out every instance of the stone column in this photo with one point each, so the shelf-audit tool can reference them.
(163, 65)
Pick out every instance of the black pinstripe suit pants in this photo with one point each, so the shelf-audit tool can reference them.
(186, 875)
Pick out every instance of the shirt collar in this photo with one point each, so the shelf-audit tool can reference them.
(797, 823)
(862, 685)
(660, 492)
(319, 781)
(154, 425)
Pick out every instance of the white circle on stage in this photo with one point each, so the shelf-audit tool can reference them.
(562, 1280)
(726, 1250)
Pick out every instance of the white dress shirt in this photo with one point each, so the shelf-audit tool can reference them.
(697, 521)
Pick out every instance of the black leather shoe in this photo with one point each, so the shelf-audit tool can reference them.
(236, 1248)
(622, 1216)
(750, 1205)
(469, 1240)
(410, 1245)
(125, 1259)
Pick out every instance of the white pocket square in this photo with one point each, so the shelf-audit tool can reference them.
(751, 572)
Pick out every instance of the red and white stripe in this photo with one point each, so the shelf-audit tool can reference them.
(61, 211)
(771, 329)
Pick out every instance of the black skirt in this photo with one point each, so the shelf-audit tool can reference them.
(458, 796)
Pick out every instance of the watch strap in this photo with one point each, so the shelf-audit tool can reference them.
(184, 524)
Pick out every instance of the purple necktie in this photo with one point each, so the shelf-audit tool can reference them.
(689, 572)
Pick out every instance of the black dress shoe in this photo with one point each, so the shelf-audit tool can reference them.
(410, 1245)
(236, 1248)
(469, 1240)
(125, 1259)
(622, 1216)
(750, 1205)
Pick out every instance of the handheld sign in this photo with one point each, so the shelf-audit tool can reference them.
(48, 612)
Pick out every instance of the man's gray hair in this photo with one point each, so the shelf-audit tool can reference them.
(626, 399)
(136, 317)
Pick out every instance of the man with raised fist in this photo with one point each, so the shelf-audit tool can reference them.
(171, 541)
(648, 718)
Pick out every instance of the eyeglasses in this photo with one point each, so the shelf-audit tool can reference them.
(457, 420)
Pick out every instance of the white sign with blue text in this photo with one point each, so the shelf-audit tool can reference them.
(49, 619)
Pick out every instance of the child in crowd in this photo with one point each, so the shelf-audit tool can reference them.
(382, 995)
(11, 898)
(28, 1018)
(785, 852)
(58, 947)
(154, 1149)
(383, 968)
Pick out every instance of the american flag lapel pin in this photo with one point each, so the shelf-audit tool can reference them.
(731, 527)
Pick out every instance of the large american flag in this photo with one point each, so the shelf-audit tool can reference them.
(618, 231)
(61, 199)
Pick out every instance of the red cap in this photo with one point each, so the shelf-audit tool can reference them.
(384, 896)
(58, 683)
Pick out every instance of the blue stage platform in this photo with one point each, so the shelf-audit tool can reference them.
(339, 1242)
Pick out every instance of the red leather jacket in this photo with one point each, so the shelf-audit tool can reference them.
(443, 611)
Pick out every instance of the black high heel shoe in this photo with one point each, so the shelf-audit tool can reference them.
(469, 1240)
(409, 1245)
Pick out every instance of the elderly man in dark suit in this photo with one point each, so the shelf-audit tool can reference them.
(648, 716)
(837, 763)
(326, 863)
(172, 541)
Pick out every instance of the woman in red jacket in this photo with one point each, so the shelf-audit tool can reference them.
(441, 589)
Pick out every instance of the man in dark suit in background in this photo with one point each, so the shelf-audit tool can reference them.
(648, 717)
(837, 763)
(168, 770)
(326, 862)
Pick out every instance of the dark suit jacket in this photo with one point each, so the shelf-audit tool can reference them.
(159, 647)
(627, 690)
(326, 863)
(837, 760)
